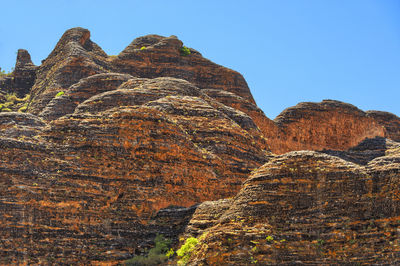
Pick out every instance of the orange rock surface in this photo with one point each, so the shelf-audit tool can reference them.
(305, 208)
(116, 149)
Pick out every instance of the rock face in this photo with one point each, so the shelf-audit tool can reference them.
(388, 120)
(162, 57)
(306, 208)
(74, 57)
(115, 149)
(21, 80)
(81, 91)
(88, 186)
(326, 125)
(367, 150)
(20, 126)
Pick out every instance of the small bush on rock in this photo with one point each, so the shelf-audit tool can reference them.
(3, 73)
(186, 250)
(61, 93)
(185, 51)
(156, 255)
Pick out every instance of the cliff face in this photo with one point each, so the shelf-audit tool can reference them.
(21, 80)
(100, 174)
(154, 56)
(74, 57)
(389, 121)
(305, 207)
(325, 125)
(94, 175)
(115, 149)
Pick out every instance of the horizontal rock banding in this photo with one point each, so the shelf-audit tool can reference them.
(115, 149)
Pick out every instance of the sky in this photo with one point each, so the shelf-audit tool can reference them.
(289, 51)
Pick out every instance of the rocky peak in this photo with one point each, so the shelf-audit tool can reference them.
(23, 59)
(74, 57)
(22, 78)
(154, 56)
(74, 41)
(145, 41)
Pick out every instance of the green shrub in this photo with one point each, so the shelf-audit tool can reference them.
(8, 104)
(185, 51)
(156, 255)
(22, 109)
(186, 250)
(3, 73)
(170, 253)
(11, 97)
(61, 93)
(26, 98)
(6, 110)
(269, 238)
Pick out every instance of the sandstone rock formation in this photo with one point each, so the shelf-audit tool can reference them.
(21, 80)
(305, 208)
(388, 120)
(74, 57)
(325, 125)
(88, 185)
(340, 125)
(114, 150)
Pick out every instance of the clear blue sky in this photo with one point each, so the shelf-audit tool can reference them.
(288, 50)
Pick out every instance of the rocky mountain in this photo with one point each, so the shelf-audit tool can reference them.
(105, 152)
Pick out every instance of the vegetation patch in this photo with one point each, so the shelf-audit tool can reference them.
(156, 256)
(186, 250)
(3, 73)
(185, 51)
(61, 93)
(23, 109)
(13, 103)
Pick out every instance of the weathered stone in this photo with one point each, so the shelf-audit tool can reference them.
(389, 121)
(207, 215)
(309, 208)
(326, 125)
(162, 58)
(80, 91)
(367, 150)
(74, 57)
(20, 126)
(125, 147)
(98, 177)
(21, 80)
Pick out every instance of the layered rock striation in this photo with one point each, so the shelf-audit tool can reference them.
(114, 150)
(389, 121)
(305, 208)
(22, 78)
(95, 183)
(326, 125)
